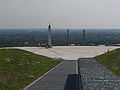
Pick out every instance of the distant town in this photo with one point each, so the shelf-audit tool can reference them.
(60, 37)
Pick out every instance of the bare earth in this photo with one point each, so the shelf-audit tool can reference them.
(70, 52)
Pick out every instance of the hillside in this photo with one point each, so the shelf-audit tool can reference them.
(111, 60)
(19, 68)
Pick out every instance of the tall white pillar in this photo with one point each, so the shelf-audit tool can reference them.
(49, 36)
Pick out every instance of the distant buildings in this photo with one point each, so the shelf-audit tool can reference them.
(49, 44)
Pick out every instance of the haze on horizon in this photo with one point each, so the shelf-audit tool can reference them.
(61, 13)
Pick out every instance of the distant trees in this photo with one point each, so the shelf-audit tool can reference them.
(36, 37)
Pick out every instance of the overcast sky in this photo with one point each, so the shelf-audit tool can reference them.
(61, 13)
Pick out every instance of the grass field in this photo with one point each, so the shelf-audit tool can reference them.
(19, 68)
(111, 60)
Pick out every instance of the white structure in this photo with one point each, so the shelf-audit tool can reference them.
(49, 36)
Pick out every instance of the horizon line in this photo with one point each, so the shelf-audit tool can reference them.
(59, 28)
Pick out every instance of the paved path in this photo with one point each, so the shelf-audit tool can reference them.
(63, 77)
(70, 52)
(96, 77)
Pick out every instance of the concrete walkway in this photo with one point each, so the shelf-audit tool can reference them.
(62, 77)
(96, 77)
(70, 52)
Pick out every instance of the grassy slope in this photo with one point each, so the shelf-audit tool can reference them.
(18, 68)
(111, 60)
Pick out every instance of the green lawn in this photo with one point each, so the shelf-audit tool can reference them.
(19, 68)
(111, 60)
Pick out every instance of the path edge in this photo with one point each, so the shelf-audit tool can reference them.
(41, 76)
(80, 84)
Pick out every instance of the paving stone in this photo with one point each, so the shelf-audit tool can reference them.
(96, 77)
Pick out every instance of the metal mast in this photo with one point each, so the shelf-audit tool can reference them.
(68, 37)
(84, 43)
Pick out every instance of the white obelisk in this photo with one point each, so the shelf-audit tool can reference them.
(49, 36)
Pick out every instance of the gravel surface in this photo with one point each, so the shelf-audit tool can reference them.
(96, 77)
